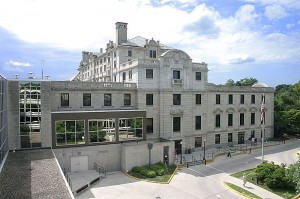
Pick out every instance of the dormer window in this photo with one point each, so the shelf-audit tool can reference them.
(152, 54)
(176, 74)
(129, 53)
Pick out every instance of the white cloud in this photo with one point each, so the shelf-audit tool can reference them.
(17, 63)
(274, 12)
(246, 14)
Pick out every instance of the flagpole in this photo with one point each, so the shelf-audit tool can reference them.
(262, 118)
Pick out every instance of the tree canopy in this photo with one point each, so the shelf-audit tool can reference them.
(243, 82)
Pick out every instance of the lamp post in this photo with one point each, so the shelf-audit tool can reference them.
(204, 152)
(180, 152)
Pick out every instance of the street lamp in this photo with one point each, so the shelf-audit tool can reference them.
(180, 151)
(204, 152)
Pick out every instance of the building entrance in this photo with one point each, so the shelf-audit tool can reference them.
(241, 138)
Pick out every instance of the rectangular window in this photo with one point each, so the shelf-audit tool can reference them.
(198, 99)
(108, 59)
(252, 118)
(198, 142)
(230, 119)
(252, 134)
(252, 99)
(218, 120)
(127, 99)
(104, 59)
(198, 123)
(242, 99)
(229, 137)
(230, 99)
(124, 76)
(198, 75)
(130, 74)
(129, 53)
(115, 63)
(87, 99)
(152, 53)
(242, 117)
(115, 54)
(217, 138)
(64, 99)
(218, 99)
(149, 73)
(176, 99)
(149, 126)
(107, 99)
(176, 74)
(176, 124)
(149, 99)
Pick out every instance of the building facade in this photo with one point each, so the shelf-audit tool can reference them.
(3, 122)
(135, 103)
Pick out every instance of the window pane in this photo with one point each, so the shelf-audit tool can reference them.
(176, 74)
(149, 125)
(198, 98)
(176, 99)
(198, 75)
(65, 99)
(149, 99)
(87, 99)
(127, 99)
(107, 99)
(149, 73)
(198, 123)
(176, 124)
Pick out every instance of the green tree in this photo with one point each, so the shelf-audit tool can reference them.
(293, 175)
(242, 82)
(230, 82)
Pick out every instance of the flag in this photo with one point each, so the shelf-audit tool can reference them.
(262, 109)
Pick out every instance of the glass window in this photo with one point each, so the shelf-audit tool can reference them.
(252, 118)
(127, 99)
(242, 99)
(149, 125)
(115, 63)
(152, 53)
(130, 128)
(176, 99)
(217, 138)
(176, 124)
(230, 99)
(124, 76)
(107, 99)
(64, 99)
(102, 130)
(149, 99)
(229, 137)
(198, 99)
(198, 142)
(218, 120)
(218, 99)
(129, 53)
(242, 119)
(130, 74)
(87, 99)
(198, 75)
(230, 119)
(149, 73)
(69, 132)
(176, 74)
(253, 99)
(198, 123)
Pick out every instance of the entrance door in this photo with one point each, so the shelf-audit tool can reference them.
(178, 146)
(241, 138)
(79, 163)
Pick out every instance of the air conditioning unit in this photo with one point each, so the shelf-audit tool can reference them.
(177, 81)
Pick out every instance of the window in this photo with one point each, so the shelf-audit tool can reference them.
(124, 76)
(108, 59)
(253, 99)
(104, 59)
(217, 138)
(242, 117)
(252, 134)
(242, 99)
(100, 61)
(176, 74)
(176, 124)
(198, 142)
(129, 53)
(198, 123)
(252, 118)
(115, 63)
(230, 119)
(149, 99)
(198, 75)
(198, 98)
(64, 99)
(107, 99)
(149, 73)
(69, 132)
(102, 130)
(218, 120)
(230, 99)
(130, 128)
(176, 99)
(218, 99)
(229, 137)
(130, 74)
(87, 98)
(115, 54)
(127, 99)
(149, 126)
(152, 53)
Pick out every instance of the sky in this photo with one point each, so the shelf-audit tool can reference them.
(236, 38)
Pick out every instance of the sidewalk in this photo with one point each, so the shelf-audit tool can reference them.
(252, 188)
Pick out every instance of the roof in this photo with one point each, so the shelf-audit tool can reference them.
(139, 41)
(260, 85)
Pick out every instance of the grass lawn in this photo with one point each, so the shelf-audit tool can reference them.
(160, 179)
(242, 191)
(250, 176)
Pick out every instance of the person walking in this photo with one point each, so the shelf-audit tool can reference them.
(244, 180)
(229, 153)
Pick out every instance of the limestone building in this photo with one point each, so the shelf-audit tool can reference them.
(136, 102)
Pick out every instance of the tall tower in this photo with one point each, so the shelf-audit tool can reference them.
(121, 32)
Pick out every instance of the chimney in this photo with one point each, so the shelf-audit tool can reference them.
(101, 50)
(121, 32)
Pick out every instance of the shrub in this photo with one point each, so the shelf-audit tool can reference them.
(136, 169)
(148, 173)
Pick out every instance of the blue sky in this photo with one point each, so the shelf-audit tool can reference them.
(237, 38)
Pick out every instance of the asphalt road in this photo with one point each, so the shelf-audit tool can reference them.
(196, 182)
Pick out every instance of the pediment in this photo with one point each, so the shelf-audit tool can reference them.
(253, 109)
(217, 111)
(230, 110)
(177, 111)
(242, 110)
